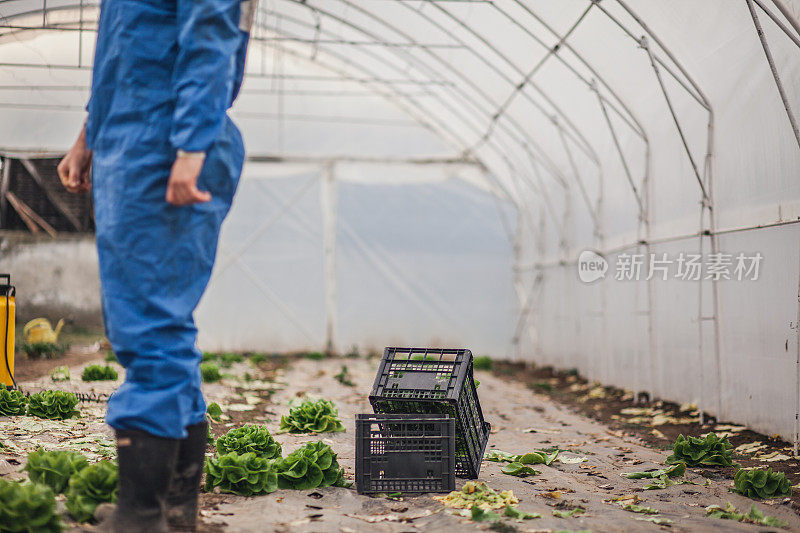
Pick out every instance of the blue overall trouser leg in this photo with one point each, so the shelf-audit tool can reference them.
(155, 262)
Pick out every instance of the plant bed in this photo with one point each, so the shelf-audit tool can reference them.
(440, 382)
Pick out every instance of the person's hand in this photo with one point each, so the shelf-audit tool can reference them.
(182, 186)
(74, 169)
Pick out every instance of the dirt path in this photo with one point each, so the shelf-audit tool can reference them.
(522, 421)
(513, 411)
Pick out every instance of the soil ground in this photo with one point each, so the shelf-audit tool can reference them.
(529, 409)
(661, 425)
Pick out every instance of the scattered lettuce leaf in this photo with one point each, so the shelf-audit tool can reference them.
(567, 514)
(665, 481)
(499, 456)
(477, 493)
(343, 377)
(481, 515)
(659, 521)
(755, 516)
(571, 460)
(641, 509)
(672, 471)
(513, 512)
(532, 458)
(519, 470)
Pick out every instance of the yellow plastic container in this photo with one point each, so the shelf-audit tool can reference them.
(8, 309)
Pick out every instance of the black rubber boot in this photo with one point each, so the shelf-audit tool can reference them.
(185, 484)
(146, 463)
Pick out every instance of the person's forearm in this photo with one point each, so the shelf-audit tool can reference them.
(82, 134)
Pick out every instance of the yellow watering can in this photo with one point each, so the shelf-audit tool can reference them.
(39, 330)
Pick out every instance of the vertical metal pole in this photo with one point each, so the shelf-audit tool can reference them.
(519, 286)
(797, 372)
(537, 321)
(600, 206)
(565, 252)
(700, 332)
(655, 364)
(606, 370)
(712, 222)
(639, 370)
(644, 220)
(328, 193)
(542, 250)
(4, 184)
(80, 35)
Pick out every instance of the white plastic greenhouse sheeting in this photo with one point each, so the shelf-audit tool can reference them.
(413, 161)
(424, 264)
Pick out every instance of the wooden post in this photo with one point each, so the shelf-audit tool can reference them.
(29, 216)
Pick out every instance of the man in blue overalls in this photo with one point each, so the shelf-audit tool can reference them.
(165, 161)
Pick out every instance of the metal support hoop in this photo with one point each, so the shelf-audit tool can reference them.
(779, 84)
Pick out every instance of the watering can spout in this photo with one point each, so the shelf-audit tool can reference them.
(58, 328)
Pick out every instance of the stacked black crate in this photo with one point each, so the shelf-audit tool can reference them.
(418, 386)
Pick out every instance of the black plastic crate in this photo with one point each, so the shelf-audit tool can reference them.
(405, 453)
(435, 381)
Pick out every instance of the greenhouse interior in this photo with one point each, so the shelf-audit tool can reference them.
(524, 265)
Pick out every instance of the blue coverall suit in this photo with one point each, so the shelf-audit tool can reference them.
(165, 74)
